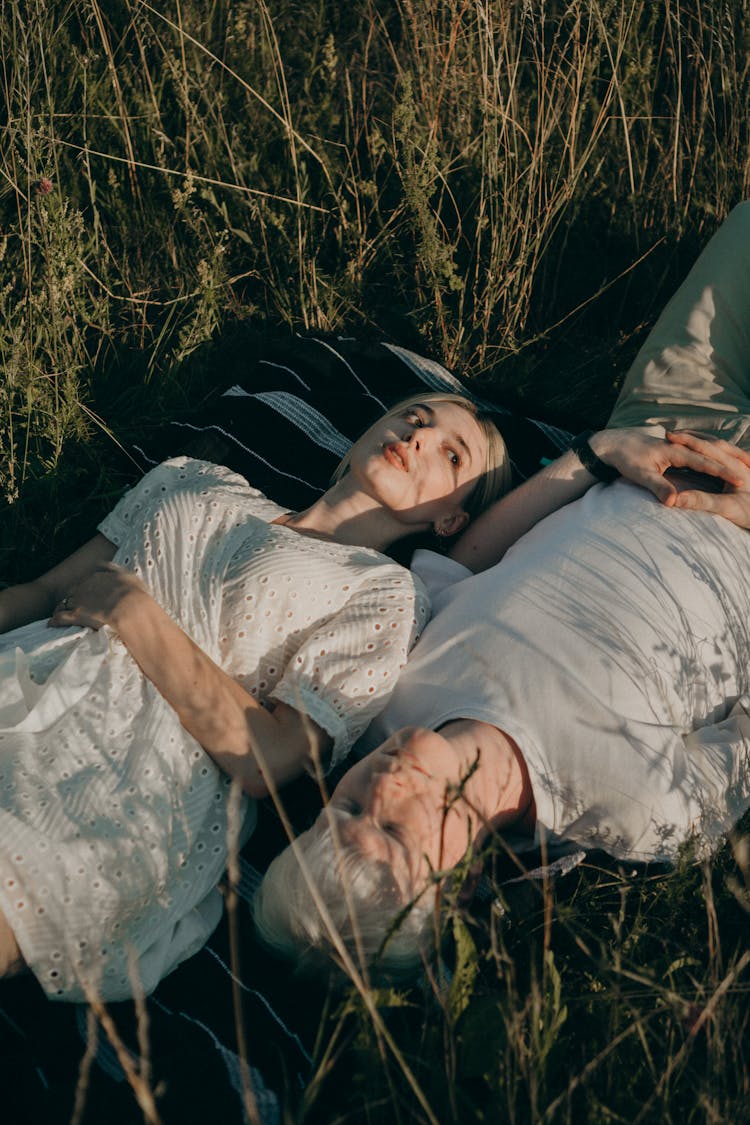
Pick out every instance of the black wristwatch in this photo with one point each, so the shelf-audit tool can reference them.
(593, 464)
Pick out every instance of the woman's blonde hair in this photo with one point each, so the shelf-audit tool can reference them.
(320, 894)
(495, 478)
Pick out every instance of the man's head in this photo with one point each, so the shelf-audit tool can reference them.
(324, 900)
(366, 875)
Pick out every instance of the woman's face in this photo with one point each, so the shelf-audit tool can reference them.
(422, 464)
(395, 807)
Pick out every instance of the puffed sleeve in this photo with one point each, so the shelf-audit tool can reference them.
(178, 475)
(137, 505)
(344, 673)
(117, 526)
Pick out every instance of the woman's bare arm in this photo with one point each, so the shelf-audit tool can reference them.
(262, 749)
(636, 455)
(35, 600)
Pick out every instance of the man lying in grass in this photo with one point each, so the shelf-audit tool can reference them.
(594, 686)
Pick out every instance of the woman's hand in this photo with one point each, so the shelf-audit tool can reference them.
(734, 502)
(35, 600)
(643, 459)
(262, 748)
(101, 599)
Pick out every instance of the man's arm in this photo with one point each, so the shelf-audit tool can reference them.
(262, 749)
(636, 455)
(35, 600)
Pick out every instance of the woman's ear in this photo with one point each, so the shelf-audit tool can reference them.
(451, 524)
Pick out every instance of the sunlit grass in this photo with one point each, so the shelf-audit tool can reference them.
(513, 187)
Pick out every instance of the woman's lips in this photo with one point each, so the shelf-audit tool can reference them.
(392, 455)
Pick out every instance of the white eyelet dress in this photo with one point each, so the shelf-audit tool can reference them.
(113, 819)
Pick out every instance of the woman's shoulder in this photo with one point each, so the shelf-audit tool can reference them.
(185, 487)
(204, 478)
(205, 473)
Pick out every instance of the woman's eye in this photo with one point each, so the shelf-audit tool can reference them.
(453, 457)
(415, 420)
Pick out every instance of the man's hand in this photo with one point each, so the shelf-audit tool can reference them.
(100, 599)
(643, 459)
(633, 452)
(734, 502)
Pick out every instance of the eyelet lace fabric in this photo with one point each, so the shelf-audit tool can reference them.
(113, 820)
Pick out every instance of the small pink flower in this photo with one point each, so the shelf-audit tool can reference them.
(43, 186)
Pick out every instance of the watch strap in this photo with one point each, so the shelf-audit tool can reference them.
(593, 464)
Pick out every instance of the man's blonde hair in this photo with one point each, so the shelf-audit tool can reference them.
(320, 892)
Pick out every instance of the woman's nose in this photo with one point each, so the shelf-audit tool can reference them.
(420, 438)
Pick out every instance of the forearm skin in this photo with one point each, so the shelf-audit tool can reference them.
(259, 748)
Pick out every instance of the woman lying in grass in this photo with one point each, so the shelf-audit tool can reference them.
(203, 622)
(593, 686)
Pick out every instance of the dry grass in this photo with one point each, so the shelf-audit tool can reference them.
(470, 174)
(514, 187)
